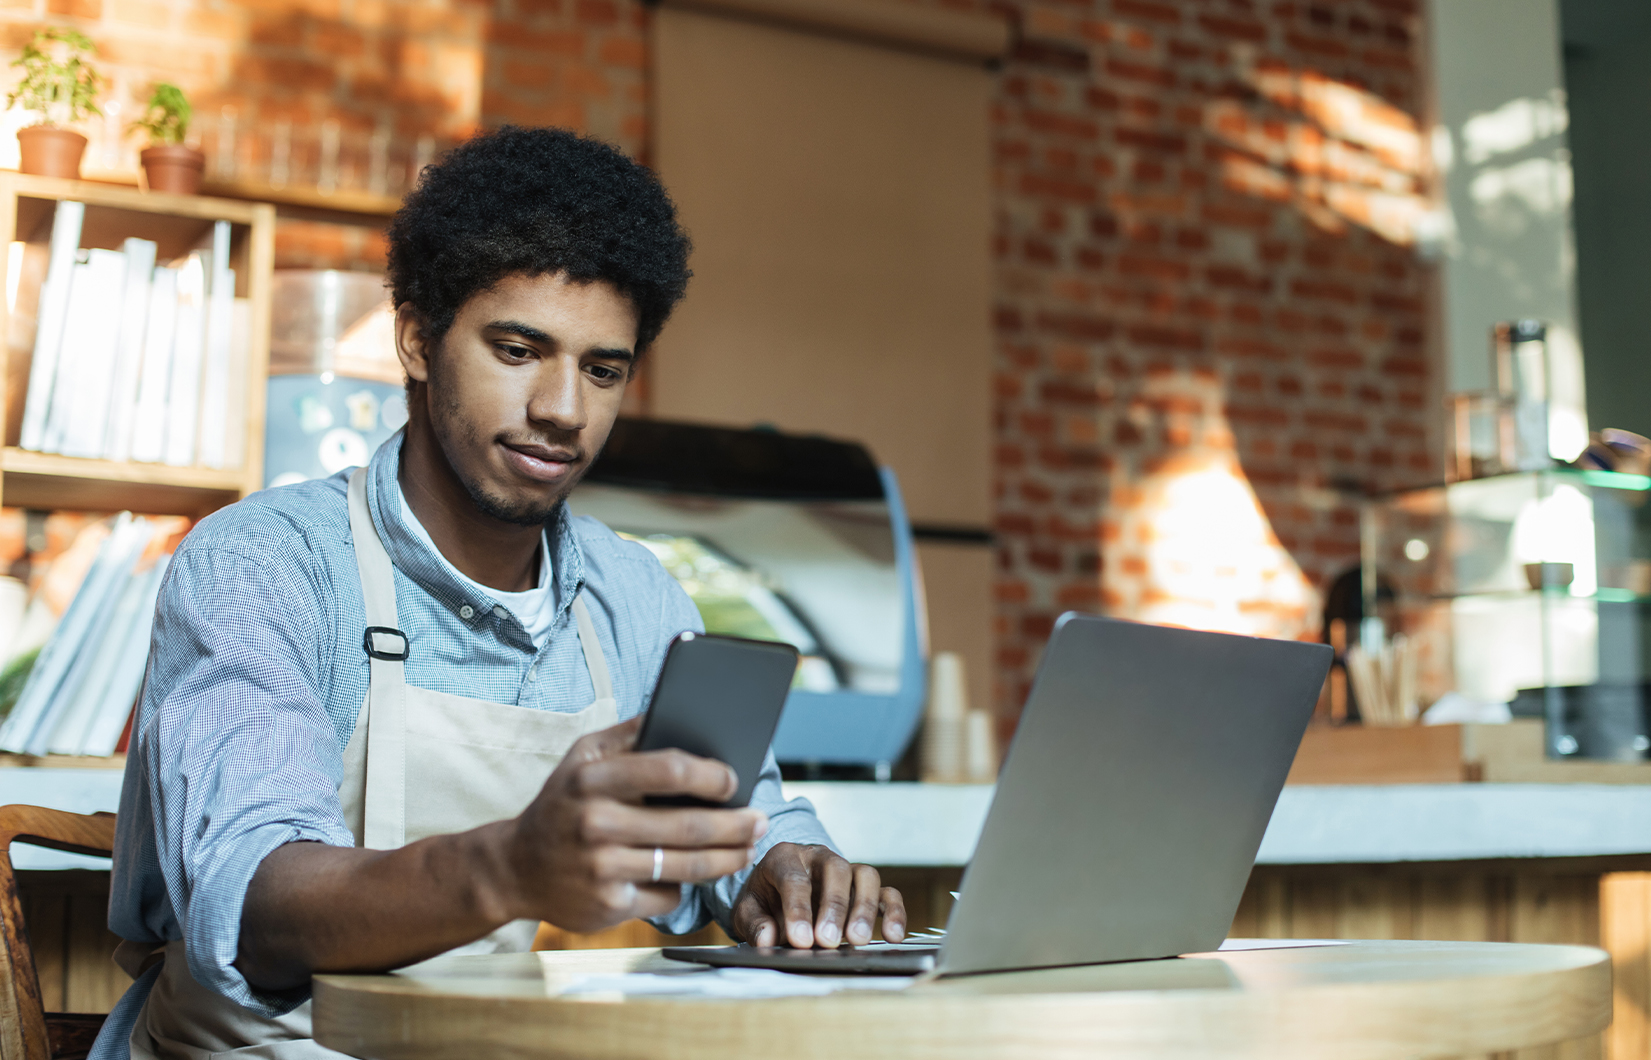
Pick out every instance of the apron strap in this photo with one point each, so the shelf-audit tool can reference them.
(595, 662)
(384, 809)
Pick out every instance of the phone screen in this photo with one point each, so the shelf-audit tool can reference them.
(719, 697)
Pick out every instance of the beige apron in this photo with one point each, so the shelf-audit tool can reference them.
(469, 761)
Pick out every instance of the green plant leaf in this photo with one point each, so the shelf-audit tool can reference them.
(58, 84)
(13, 678)
(166, 116)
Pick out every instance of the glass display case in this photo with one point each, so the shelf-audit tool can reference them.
(1528, 589)
(792, 538)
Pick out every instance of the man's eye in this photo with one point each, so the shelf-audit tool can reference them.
(603, 373)
(519, 352)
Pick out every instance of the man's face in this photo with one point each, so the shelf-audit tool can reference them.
(524, 388)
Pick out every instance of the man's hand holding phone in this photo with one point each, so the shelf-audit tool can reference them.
(588, 854)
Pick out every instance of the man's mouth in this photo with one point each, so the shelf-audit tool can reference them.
(542, 463)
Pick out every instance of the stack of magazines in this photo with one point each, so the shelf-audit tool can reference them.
(79, 695)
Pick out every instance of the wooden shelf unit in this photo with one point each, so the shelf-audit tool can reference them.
(177, 224)
(365, 206)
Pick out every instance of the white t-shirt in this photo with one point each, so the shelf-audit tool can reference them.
(535, 608)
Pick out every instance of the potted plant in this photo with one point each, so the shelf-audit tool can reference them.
(168, 162)
(61, 87)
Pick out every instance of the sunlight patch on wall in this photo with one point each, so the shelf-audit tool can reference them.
(1186, 542)
(1339, 153)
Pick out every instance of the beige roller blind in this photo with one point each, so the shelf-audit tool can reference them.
(837, 192)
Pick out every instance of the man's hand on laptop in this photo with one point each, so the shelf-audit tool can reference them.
(782, 890)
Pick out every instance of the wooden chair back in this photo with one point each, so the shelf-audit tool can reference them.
(27, 1031)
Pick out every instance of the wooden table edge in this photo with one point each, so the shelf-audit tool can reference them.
(1570, 998)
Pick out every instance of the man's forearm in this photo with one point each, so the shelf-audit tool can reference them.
(317, 908)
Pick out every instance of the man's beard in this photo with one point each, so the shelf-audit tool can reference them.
(527, 514)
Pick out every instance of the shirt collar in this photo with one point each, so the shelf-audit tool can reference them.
(416, 560)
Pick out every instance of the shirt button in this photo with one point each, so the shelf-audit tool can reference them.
(533, 675)
(467, 612)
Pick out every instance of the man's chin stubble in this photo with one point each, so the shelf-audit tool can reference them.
(517, 514)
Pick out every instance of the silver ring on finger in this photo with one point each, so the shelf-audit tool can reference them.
(659, 863)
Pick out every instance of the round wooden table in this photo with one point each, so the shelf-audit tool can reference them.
(1359, 1001)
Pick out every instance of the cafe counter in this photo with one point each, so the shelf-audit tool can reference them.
(1514, 862)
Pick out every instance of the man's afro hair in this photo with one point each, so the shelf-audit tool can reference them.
(537, 201)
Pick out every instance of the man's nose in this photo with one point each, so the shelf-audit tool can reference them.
(558, 398)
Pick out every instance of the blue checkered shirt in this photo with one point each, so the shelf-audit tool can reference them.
(256, 675)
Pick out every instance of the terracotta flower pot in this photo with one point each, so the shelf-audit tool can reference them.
(173, 167)
(48, 151)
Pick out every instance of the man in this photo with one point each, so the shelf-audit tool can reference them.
(359, 686)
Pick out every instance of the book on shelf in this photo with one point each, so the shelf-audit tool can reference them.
(239, 368)
(50, 319)
(80, 397)
(136, 359)
(95, 713)
(148, 439)
(189, 335)
(220, 333)
(115, 442)
(86, 677)
(30, 723)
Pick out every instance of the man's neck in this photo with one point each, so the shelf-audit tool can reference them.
(495, 553)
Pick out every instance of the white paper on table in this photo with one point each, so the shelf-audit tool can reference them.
(735, 983)
(1237, 945)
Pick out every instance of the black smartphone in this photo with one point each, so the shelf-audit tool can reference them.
(719, 697)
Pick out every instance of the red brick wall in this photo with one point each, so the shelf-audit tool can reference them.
(437, 68)
(1201, 216)
(427, 66)
(1186, 197)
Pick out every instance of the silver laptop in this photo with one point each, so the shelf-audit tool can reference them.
(1128, 812)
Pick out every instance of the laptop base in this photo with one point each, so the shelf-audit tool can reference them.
(878, 958)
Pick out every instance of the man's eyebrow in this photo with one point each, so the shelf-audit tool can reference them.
(516, 327)
(533, 334)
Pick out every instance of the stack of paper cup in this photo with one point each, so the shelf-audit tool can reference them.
(959, 743)
(979, 748)
(944, 757)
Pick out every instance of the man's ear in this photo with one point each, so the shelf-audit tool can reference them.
(411, 348)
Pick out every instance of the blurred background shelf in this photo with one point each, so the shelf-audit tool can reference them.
(361, 206)
(1511, 753)
(48, 481)
(113, 763)
(177, 224)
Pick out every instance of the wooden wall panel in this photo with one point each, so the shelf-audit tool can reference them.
(45, 917)
(1461, 904)
(1625, 923)
(839, 198)
(67, 915)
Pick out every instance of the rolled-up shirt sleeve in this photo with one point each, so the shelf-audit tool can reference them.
(238, 753)
(789, 821)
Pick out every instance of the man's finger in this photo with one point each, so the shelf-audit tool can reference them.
(796, 889)
(862, 909)
(656, 899)
(595, 746)
(752, 924)
(675, 866)
(894, 914)
(835, 878)
(631, 777)
(608, 821)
